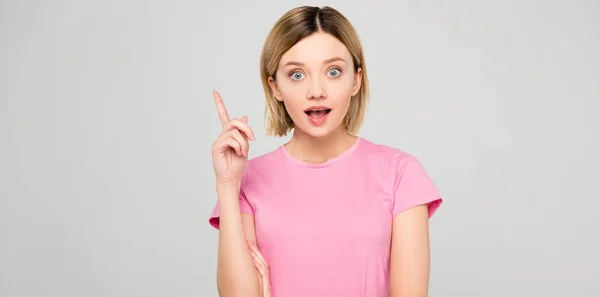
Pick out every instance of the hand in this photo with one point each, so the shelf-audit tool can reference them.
(230, 149)
(262, 267)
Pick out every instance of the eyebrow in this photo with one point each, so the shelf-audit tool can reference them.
(324, 62)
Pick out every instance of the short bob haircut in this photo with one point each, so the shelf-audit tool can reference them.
(293, 26)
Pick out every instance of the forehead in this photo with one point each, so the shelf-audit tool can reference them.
(315, 49)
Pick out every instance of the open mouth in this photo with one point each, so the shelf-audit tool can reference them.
(317, 113)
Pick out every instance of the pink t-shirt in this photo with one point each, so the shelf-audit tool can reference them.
(325, 229)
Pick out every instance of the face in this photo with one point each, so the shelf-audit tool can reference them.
(316, 80)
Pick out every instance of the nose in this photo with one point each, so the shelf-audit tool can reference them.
(316, 89)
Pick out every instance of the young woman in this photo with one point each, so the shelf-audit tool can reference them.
(332, 213)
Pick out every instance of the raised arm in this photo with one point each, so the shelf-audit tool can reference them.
(236, 274)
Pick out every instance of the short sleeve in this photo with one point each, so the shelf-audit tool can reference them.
(245, 206)
(413, 186)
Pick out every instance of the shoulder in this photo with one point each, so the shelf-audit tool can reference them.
(268, 159)
(393, 156)
(262, 165)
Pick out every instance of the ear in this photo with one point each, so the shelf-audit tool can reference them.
(274, 89)
(357, 81)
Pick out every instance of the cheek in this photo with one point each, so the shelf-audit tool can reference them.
(341, 91)
(291, 90)
(294, 96)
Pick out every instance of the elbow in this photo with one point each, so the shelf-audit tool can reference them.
(230, 289)
(238, 293)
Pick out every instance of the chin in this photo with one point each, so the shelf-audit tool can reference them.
(317, 132)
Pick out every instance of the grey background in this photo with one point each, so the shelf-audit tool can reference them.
(106, 122)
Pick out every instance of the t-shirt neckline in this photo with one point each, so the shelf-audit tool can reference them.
(343, 155)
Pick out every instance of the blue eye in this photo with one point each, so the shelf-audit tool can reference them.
(335, 72)
(296, 75)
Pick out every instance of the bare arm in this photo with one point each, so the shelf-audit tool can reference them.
(236, 274)
(409, 267)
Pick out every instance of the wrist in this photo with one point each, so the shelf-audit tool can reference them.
(228, 186)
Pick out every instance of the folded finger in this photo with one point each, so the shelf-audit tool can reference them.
(259, 267)
(240, 125)
(232, 143)
(259, 257)
(237, 135)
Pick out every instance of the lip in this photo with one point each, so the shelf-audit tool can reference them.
(317, 108)
(318, 121)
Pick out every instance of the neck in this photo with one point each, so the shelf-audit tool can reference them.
(319, 150)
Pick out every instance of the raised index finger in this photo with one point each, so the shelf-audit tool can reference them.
(223, 116)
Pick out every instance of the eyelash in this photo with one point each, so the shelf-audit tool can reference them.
(335, 68)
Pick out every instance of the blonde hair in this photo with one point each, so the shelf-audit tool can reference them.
(293, 26)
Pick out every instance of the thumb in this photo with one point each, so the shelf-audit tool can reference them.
(245, 119)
